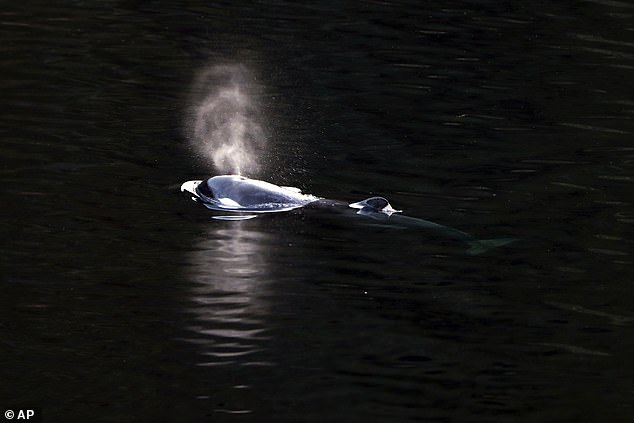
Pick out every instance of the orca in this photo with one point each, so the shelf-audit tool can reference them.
(247, 198)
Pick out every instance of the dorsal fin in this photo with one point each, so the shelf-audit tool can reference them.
(374, 205)
(377, 203)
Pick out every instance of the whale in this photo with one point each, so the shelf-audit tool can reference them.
(245, 198)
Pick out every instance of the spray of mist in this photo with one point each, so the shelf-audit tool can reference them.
(224, 123)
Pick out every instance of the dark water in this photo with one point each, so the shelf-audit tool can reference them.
(121, 300)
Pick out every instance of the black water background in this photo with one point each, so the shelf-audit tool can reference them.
(123, 301)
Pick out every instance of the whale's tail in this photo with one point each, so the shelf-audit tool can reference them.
(480, 246)
(475, 246)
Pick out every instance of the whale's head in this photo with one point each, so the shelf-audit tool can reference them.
(374, 205)
(241, 194)
(208, 189)
(213, 189)
(205, 191)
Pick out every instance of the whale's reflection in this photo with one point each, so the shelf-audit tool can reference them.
(229, 271)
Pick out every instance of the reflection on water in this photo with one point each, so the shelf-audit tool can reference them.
(229, 269)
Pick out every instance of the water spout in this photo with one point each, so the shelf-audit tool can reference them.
(225, 120)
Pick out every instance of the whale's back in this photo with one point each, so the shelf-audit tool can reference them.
(233, 192)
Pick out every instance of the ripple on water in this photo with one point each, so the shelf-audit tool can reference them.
(229, 275)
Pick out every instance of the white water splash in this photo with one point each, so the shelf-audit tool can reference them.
(224, 124)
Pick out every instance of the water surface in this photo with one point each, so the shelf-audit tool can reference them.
(122, 300)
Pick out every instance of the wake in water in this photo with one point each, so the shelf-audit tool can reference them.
(224, 120)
